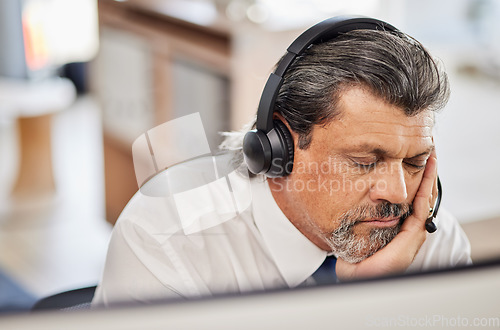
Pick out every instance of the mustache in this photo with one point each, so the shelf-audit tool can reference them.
(382, 210)
(354, 249)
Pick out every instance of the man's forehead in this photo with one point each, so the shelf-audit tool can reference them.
(386, 136)
(369, 123)
(363, 112)
(419, 149)
(390, 118)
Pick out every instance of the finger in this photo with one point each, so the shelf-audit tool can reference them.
(432, 201)
(421, 202)
(433, 197)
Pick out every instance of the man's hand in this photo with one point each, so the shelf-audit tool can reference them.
(396, 256)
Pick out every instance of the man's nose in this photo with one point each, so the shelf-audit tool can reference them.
(390, 185)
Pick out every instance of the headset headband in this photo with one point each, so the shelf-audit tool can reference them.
(321, 32)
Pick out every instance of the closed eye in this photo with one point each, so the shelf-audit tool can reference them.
(365, 165)
(417, 167)
(369, 166)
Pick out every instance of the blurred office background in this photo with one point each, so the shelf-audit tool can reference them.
(66, 164)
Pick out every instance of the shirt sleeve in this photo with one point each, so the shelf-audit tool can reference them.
(448, 247)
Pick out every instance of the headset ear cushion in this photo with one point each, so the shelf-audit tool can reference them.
(287, 146)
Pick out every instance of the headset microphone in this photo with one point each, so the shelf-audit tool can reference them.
(430, 226)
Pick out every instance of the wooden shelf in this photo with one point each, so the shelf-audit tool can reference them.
(158, 40)
(236, 57)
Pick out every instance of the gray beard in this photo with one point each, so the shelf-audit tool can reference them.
(354, 248)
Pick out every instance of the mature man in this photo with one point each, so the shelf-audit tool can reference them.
(348, 174)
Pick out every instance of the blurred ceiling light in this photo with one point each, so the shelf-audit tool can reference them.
(290, 14)
(359, 7)
(258, 13)
(202, 12)
(237, 10)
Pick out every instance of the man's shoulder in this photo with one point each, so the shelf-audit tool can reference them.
(446, 218)
(151, 213)
(449, 229)
(447, 247)
(198, 207)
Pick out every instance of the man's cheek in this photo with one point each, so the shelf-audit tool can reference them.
(412, 187)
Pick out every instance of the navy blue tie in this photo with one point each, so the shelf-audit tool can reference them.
(326, 272)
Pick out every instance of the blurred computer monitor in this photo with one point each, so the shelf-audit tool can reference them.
(460, 298)
(39, 36)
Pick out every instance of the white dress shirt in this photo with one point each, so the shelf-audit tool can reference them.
(213, 240)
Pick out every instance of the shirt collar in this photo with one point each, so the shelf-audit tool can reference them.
(296, 257)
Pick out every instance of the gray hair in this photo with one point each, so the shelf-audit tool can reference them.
(392, 65)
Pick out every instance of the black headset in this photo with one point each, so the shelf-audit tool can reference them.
(269, 148)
